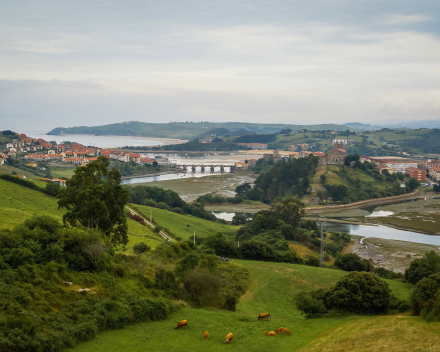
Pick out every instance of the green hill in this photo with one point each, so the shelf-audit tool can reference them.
(272, 289)
(183, 130)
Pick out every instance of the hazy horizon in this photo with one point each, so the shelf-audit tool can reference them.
(67, 64)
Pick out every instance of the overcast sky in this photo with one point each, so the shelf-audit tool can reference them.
(72, 63)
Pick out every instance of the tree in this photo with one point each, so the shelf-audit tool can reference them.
(425, 292)
(140, 248)
(359, 292)
(155, 164)
(423, 267)
(352, 262)
(238, 219)
(289, 210)
(52, 188)
(242, 189)
(413, 183)
(94, 198)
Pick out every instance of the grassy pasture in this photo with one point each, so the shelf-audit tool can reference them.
(272, 290)
(178, 223)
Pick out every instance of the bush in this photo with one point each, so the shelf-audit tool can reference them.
(352, 262)
(202, 286)
(140, 248)
(357, 292)
(423, 267)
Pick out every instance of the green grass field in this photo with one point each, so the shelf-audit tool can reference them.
(59, 172)
(18, 203)
(7, 169)
(272, 289)
(178, 223)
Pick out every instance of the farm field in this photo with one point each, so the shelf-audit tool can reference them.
(59, 172)
(177, 223)
(272, 289)
(7, 169)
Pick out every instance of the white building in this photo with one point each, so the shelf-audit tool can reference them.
(401, 166)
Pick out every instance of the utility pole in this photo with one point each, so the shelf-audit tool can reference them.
(194, 237)
(321, 256)
(151, 215)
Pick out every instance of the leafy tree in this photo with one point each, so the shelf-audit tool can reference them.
(352, 262)
(256, 250)
(218, 243)
(413, 183)
(423, 267)
(436, 188)
(289, 210)
(361, 293)
(285, 131)
(94, 198)
(242, 189)
(155, 164)
(425, 293)
(52, 188)
(238, 219)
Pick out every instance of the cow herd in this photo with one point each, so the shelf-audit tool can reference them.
(230, 336)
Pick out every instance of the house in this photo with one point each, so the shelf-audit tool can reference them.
(294, 155)
(320, 155)
(252, 163)
(256, 146)
(340, 140)
(416, 173)
(68, 154)
(303, 146)
(351, 142)
(31, 164)
(53, 157)
(240, 165)
(292, 148)
(435, 173)
(304, 153)
(400, 166)
(73, 160)
(62, 183)
(36, 157)
(2, 161)
(21, 176)
(334, 132)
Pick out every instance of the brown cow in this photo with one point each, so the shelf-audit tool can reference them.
(206, 335)
(279, 330)
(229, 338)
(270, 333)
(287, 331)
(264, 316)
(181, 324)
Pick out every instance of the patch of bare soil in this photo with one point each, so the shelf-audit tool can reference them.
(389, 254)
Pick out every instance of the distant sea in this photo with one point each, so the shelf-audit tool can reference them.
(90, 140)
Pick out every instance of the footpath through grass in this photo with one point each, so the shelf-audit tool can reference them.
(272, 290)
(178, 224)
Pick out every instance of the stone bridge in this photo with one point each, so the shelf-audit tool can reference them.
(204, 167)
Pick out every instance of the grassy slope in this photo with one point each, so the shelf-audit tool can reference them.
(6, 169)
(272, 290)
(59, 172)
(18, 203)
(177, 223)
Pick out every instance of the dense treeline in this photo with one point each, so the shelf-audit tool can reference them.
(61, 285)
(131, 168)
(428, 142)
(195, 146)
(287, 178)
(166, 199)
(256, 138)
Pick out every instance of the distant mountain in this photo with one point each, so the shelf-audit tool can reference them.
(400, 124)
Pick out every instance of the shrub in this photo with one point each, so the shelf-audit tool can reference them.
(202, 286)
(352, 262)
(423, 267)
(140, 248)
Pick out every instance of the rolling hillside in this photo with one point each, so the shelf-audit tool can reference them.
(183, 130)
(272, 289)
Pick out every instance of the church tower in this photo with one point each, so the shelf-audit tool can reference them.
(338, 145)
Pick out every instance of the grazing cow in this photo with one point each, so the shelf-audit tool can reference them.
(181, 324)
(264, 316)
(279, 330)
(270, 333)
(287, 331)
(206, 335)
(229, 338)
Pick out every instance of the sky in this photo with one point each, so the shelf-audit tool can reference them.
(87, 63)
